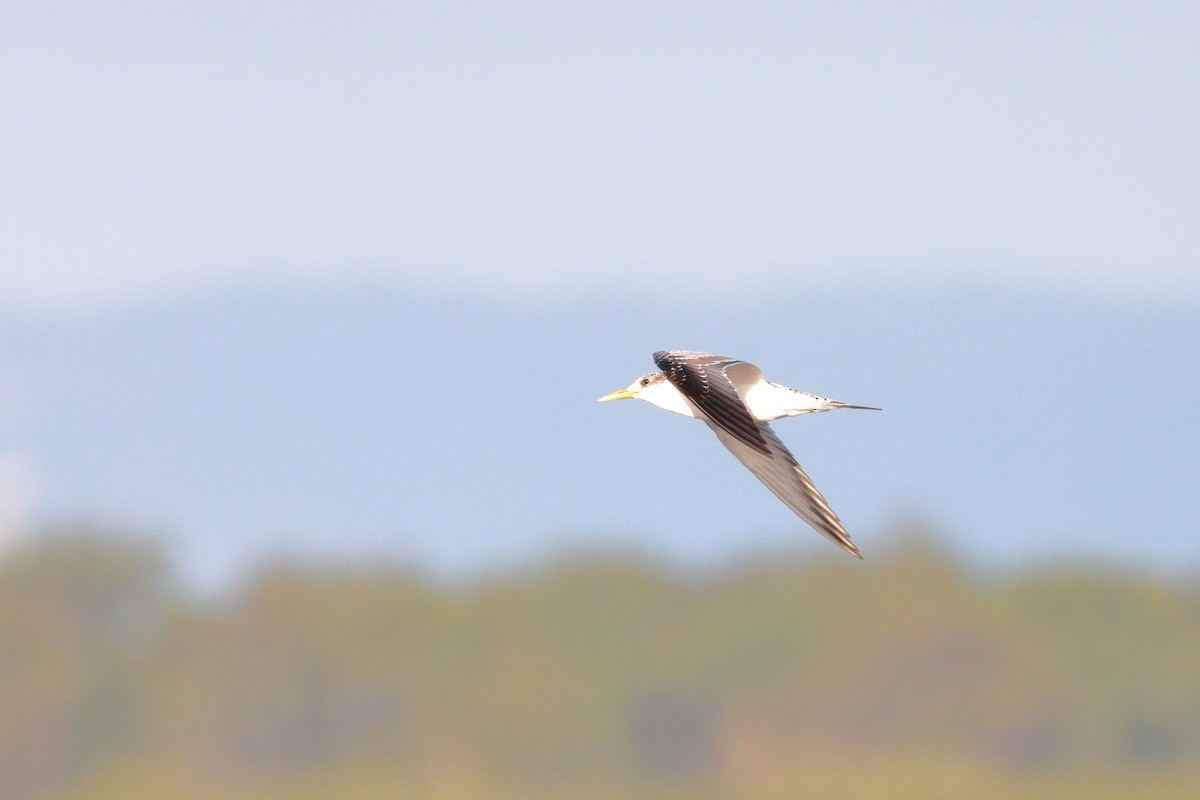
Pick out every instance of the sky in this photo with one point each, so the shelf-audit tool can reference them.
(161, 149)
(243, 245)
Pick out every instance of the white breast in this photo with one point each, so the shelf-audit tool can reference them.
(664, 395)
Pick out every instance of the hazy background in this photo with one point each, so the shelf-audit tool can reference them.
(342, 283)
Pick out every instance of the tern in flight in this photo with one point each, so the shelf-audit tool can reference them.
(737, 402)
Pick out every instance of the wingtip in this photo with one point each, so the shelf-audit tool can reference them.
(849, 546)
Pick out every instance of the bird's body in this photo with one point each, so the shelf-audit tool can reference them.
(734, 399)
(766, 401)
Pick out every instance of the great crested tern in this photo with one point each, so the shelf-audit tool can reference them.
(734, 399)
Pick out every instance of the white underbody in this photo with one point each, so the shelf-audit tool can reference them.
(764, 400)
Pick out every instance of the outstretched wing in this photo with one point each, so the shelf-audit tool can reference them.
(782, 475)
(704, 379)
(711, 383)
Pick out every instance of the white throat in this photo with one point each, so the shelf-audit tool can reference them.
(664, 395)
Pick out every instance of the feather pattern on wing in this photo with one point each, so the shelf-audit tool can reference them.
(780, 472)
(703, 379)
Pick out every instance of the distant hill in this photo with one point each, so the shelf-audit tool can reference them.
(903, 677)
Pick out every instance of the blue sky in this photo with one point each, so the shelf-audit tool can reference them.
(238, 240)
(463, 435)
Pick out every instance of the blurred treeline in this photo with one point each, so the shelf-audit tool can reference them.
(897, 677)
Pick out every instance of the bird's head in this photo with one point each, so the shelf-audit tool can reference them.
(642, 388)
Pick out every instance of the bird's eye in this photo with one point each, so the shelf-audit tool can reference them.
(645, 381)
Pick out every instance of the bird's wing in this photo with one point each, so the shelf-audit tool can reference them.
(708, 381)
(713, 383)
(783, 476)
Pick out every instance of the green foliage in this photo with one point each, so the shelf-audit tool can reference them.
(901, 677)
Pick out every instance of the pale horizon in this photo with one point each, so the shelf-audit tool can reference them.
(554, 152)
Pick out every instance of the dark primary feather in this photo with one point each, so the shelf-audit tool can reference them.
(780, 472)
(702, 379)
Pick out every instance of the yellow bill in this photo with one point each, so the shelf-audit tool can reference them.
(619, 394)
